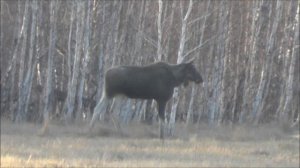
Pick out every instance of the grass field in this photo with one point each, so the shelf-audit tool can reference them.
(139, 146)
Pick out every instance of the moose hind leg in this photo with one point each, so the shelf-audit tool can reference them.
(115, 102)
(162, 125)
(100, 108)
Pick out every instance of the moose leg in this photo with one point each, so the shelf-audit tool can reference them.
(100, 108)
(161, 114)
(111, 113)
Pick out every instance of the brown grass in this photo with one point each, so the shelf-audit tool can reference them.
(139, 146)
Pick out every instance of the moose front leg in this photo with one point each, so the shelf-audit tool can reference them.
(161, 114)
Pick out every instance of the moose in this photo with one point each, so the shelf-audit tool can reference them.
(155, 81)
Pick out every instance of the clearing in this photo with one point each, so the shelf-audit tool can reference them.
(139, 146)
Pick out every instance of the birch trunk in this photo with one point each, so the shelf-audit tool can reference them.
(248, 88)
(190, 112)
(268, 68)
(30, 70)
(40, 44)
(289, 83)
(115, 35)
(159, 30)
(223, 57)
(12, 67)
(180, 58)
(138, 39)
(48, 88)
(286, 56)
(168, 32)
(193, 93)
(85, 60)
(237, 71)
(70, 55)
(260, 51)
(21, 98)
(76, 65)
(284, 67)
(101, 57)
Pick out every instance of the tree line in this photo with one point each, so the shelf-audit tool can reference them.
(54, 55)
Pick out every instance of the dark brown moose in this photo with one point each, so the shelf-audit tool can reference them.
(155, 81)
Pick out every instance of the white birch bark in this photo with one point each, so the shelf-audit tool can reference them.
(116, 17)
(190, 111)
(268, 67)
(30, 70)
(21, 97)
(40, 44)
(123, 33)
(239, 77)
(168, 32)
(246, 50)
(101, 57)
(70, 55)
(85, 60)
(262, 35)
(48, 88)
(289, 82)
(285, 69)
(248, 88)
(159, 30)
(12, 66)
(180, 58)
(223, 57)
(77, 55)
(193, 93)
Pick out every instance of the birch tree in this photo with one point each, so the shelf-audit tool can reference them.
(21, 97)
(86, 58)
(194, 90)
(289, 83)
(31, 63)
(77, 55)
(223, 56)
(248, 88)
(180, 58)
(267, 69)
(47, 90)
(246, 51)
(159, 30)
(12, 67)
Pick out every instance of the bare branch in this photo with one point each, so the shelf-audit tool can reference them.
(189, 10)
(207, 41)
(159, 27)
(202, 17)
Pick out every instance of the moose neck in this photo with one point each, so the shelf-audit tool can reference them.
(178, 73)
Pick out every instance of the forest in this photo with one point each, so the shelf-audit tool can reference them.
(54, 55)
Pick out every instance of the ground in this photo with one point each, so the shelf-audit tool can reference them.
(138, 146)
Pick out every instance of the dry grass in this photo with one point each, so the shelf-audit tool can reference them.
(138, 146)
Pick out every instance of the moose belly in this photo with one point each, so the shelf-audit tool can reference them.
(140, 92)
(137, 83)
